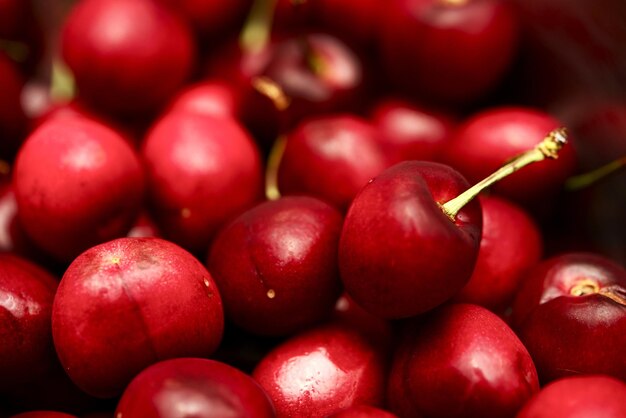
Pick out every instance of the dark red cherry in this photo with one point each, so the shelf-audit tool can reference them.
(26, 295)
(400, 254)
(409, 132)
(77, 184)
(322, 371)
(12, 118)
(510, 246)
(492, 137)
(460, 361)
(202, 171)
(363, 411)
(577, 397)
(128, 303)
(201, 388)
(450, 51)
(571, 314)
(128, 57)
(276, 265)
(331, 158)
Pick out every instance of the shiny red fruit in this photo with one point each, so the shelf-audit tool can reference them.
(201, 388)
(202, 171)
(77, 184)
(571, 314)
(128, 303)
(276, 265)
(400, 254)
(510, 246)
(460, 361)
(211, 97)
(591, 396)
(322, 371)
(127, 57)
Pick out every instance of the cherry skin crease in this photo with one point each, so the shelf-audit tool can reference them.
(322, 371)
(591, 396)
(571, 314)
(276, 265)
(94, 194)
(26, 295)
(201, 388)
(160, 302)
(399, 254)
(460, 361)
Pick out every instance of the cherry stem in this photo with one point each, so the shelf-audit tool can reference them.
(587, 179)
(547, 148)
(270, 89)
(271, 173)
(17, 51)
(62, 85)
(258, 27)
(590, 287)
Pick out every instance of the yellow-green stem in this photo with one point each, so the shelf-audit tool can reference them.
(587, 179)
(271, 172)
(548, 148)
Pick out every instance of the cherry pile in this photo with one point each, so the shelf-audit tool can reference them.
(265, 208)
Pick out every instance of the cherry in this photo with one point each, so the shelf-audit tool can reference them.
(211, 97)
(128, 57)
(196, 387)
(26, 294)
(363, 411)
(571, 314)
(409, 132)
(276, 265)
(144, 227)
(128, 303)
(578, 397)
(322, 371)
(450, 51)
(318, 158)
(202, 171)
(460, 361)
(77, 184)
(12, 118)
(510, 246)
(492, 137)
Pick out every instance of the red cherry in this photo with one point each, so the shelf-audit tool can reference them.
(12, 118)
(451, 51)
(578, 397)
(510, 246)
(44, 414)
(193, 387)
(128, 57)
(571, 314)
(408, 132)
(319, 158)
(211, 97)
(276, 265)
(460, 361)
(202, 171)
(128, 303)
(363, 411)
(77, 184)
(322, 371)
(26, 294)
(492, 137)
(400, 254)
(144, 227)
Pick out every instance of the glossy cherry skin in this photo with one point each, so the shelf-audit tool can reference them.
(363, 411)
(128, 57)
(276, 265)
(26, 295)
(489, 139)
(44, 414)
(12, 117)
(571, 314)
(211, 97)
(212, 18)
(196, 387)
(77, 184)
(415, 32)
(128, 303)
(202, 171)
(409, 132)
(319, 158)
(511, 245)
(399, 253)
(460, 361)
(322, 371)
(590, 396)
